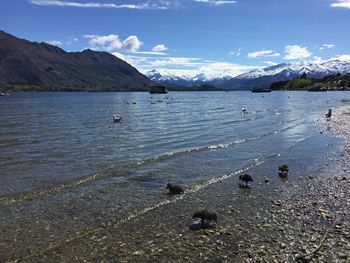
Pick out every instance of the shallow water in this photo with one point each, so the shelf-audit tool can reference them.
(66, 166)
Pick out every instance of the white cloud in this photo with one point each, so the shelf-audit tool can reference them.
(151, 53)
(149, 4)
(132, 43)
(345, 57)
(55, 42)
(113, 42)
(159, 48)
(318, 60)
(176, 62)
(217, 2)
(263, 53)
(218, 68)
(107, 42)
(341, 3)
(296, 52)
(270, 63)
(184, 66)
(327, 46)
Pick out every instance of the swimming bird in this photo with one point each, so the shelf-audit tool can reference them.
(246, 178)
(204, 214)
(244, 109)
(329, 114)
(175, 189)
(283, 170)
(116, 119)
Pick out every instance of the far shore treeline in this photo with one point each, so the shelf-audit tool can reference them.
(337, 82)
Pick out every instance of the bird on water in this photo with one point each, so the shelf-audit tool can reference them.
(205, 215)
(175, 189)
(283, 170)
(246, 178)
(116, 119)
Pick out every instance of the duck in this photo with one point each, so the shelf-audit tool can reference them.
(175, 189)
(116, 119)
(244, 109)
(246, 178)
(329, 114)
(205, 215)
(283, 170)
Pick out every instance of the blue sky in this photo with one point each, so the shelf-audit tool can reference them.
(188, 36)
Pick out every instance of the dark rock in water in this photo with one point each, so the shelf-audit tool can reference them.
(158, 89)
(246, 178)
(175, 189)
(205, 215)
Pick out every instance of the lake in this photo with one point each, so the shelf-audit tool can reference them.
(66, 165)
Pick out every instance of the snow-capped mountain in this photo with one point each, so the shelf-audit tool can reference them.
(262, 78)
(186, 81)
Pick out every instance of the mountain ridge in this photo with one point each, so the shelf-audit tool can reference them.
(186, 81)
(26, 65)
(263, 78)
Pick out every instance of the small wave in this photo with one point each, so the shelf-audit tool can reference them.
(195, 149)
(11, 200)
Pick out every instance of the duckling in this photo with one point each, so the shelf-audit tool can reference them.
(246, 178)
(283, 170)
(204, 214)
(175, 189)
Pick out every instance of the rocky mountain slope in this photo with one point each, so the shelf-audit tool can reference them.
(26, 65)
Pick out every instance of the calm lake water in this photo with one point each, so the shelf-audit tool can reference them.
(65, 166)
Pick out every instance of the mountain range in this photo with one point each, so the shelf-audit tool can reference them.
(263, 78)
(260, 78)
(26, 65)
(186, 81)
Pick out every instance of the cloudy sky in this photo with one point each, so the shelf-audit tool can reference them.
(187, 37)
